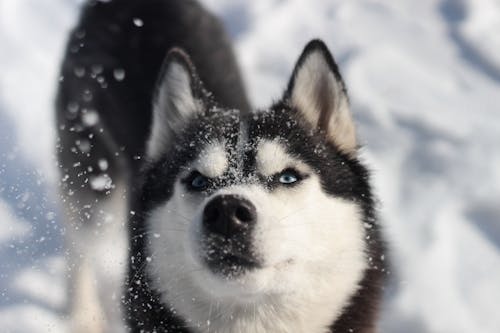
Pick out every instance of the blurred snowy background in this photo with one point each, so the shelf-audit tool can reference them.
(424, 80)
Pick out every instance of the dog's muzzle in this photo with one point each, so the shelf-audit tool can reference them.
(228, 224)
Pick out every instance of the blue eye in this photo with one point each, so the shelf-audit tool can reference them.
(288, 177)
(199, 182)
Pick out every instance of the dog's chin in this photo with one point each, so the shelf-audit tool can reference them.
(231, 266)
(243, 280)
(246, 286)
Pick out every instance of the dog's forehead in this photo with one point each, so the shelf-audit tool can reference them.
(263, 143)
(257, 155)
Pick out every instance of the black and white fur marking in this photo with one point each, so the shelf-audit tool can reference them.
(241, 222)
(274, 257)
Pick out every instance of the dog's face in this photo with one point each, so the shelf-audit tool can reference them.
(254, 208)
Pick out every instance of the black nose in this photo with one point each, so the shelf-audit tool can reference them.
(228, 215)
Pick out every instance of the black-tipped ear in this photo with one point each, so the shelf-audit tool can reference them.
(317, 91)
(177, 98)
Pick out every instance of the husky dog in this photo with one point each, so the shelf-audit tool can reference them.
(258, 222)
(112, 62)
(254, 222)
(238, 221)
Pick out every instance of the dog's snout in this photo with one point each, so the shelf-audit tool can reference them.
(228, 215)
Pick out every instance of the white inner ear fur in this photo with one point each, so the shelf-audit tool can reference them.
(315, 87)
(212, 161)
(173, 106)
(272, 158)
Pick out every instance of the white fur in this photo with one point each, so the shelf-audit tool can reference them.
(174, 105)
(97, 261)
(312, 247)
(212, 161)
(314, 78)
(86, 314)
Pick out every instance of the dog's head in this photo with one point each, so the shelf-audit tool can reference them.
(246, 207)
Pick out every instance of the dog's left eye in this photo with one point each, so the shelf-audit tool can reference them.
(197, 182)
(288, 177)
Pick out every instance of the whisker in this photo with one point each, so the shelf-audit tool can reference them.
(180, 215)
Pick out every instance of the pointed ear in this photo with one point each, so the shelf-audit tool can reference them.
(317, 91)
(177, 98)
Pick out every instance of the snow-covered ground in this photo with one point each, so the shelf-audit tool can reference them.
(424, 80)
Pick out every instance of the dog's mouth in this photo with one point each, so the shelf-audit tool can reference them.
(232, 265)
(228, 257)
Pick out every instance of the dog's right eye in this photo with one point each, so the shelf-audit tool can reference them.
(288, 177)
(197, 182)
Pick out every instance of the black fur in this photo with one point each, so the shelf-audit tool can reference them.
(107, 44)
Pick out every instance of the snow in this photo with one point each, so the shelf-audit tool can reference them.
(11, 226)
(424, 82)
